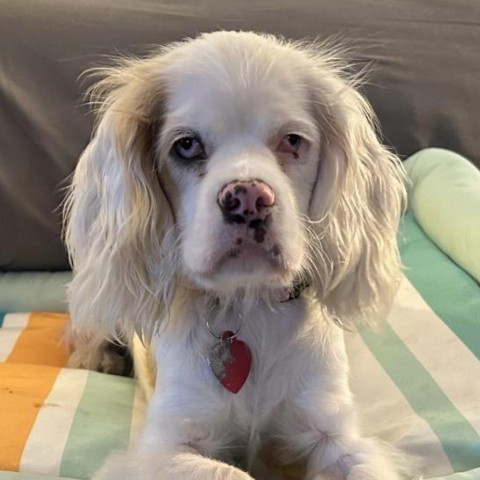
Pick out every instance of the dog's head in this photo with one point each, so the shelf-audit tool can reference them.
(231, 163)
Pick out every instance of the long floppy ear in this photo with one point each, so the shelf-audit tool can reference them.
(116, 213)
(355, 206)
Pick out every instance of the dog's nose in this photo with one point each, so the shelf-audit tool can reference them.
(243, 201)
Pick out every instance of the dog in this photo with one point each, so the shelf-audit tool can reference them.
(234, 212)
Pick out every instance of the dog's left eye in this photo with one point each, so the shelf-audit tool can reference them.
(189, 148)
(290, 143)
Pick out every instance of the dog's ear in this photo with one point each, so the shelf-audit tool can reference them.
(116, 213)
(355, 206)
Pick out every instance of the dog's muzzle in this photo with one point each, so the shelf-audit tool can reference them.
(247, 202)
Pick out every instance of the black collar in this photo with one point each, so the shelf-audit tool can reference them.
(297, 288)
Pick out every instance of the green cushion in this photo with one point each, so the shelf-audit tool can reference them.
(33, 291)
(444, 196)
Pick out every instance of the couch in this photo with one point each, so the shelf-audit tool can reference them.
(416, 381)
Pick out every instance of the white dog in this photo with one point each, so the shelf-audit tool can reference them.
(235, 209)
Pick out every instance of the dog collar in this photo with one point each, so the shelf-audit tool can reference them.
(295, 291)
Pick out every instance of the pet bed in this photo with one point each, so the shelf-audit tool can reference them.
(416, 380)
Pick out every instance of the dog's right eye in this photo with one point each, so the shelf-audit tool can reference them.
(189, 148)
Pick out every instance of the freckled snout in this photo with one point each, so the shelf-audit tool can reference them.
(246, 201)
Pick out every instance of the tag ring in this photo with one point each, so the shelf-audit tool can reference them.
(220, 337)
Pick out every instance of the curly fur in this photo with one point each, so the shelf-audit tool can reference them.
(144, 237)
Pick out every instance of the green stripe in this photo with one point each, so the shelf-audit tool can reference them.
(449, 291)
(459, 440)
(101, 424)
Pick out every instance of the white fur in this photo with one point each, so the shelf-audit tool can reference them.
(150, 252)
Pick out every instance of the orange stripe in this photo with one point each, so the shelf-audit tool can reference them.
(40, 341)
(23, 389)
(26, 379)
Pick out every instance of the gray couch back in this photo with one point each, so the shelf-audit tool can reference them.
(424, 83)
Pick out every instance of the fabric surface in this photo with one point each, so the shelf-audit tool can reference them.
(423, 55)
(26, 291)
(445, 199)
(26, 476)
(468, 475)
(57, 421)
(415, 381)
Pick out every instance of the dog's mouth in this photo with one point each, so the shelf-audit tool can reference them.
(248, 254)
(235, 257)
(246, 264)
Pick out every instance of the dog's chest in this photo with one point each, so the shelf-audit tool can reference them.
(188, 388)
(266, 338)
(272, 338)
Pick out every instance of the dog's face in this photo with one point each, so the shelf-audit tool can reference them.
(240, 152)
(231, 162)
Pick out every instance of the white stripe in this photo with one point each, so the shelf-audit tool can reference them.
(139, 412)
(451, 364)
(385, 413)
(44, 448)
(13, 325)
(473, 474)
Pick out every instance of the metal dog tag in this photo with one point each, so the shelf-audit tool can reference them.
(230, 360)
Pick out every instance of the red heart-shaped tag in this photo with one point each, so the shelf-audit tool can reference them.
(231, 361)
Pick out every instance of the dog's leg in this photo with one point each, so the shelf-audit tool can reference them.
(144, 363)
(187, 429)
(180, 464)
(260, 471)
(92, 351)
(328, 438)
(350, 457)
(320, 424)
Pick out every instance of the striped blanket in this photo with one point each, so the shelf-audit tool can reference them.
(417, 381)
(57, 421)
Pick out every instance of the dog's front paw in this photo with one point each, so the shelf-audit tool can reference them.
(358, 459)
(152, 465)
(359, 472)
(236, 474)
(328, 475)
(370, 472)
